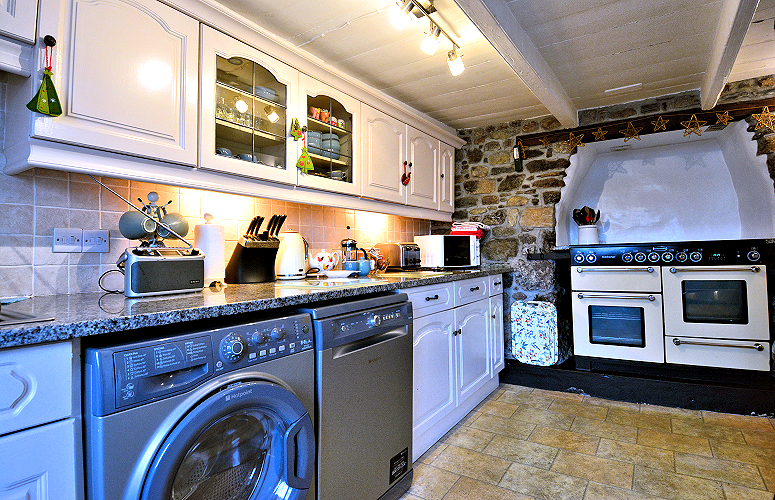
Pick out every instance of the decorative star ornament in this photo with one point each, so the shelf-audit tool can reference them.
(693, 126)
(723, 118)
(600, 134)
(631, 132)
(765, 119)
(574, 141)
(660, 124)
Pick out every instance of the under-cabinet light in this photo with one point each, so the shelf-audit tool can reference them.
(241, 105)
(271, 114)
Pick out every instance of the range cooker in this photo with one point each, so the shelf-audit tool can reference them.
(700, 303)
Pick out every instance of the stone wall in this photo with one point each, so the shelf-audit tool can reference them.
(520, 206)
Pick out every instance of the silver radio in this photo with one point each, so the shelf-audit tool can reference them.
(162, 271)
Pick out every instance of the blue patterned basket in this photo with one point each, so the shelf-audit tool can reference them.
(534, 333)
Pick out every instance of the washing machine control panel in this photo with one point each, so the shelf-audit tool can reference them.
(146, 370)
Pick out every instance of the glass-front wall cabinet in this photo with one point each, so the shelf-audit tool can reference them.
(247, 110)
(330, 120)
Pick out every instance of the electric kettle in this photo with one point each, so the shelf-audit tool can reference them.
(292, 261)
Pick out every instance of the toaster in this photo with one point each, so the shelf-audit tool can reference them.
(400, 255)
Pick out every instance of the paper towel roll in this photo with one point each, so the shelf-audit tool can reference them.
(210, 240)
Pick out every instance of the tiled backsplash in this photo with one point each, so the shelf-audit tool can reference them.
(35, 202)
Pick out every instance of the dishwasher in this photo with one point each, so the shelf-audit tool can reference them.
(363, 388)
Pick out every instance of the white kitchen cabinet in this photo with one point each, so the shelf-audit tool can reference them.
(453, 356)
(17, 19)
(446, 178)
(497, 340)
(126, 72)
(38, 432)
(248, 100)
(334, 161)
(387, 143)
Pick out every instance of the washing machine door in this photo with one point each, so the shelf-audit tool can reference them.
(251, 441)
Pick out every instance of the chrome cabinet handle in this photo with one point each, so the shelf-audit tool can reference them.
(610, 270)
(753, 269)
(608, 296)
(756, 345)
(435, 297)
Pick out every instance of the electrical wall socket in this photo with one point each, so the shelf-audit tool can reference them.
(67, 240)
(96, 240)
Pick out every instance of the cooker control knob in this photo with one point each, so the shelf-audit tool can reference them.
(579, 258)
(640, 257)
(627, 257)
(753, 256)
(681, 256)
(277, 334)
(653, 257)
(695, 256)
(591, 258)
(232, 348)
(667, 257)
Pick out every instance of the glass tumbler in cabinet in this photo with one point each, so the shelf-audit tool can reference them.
(249, 94)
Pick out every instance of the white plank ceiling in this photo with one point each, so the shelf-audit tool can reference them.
(535, 57)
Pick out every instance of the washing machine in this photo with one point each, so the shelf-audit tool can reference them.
(221, 414)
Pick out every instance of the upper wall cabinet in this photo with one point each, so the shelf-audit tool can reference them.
(248, 101)
(331, 118)
(17, 19)
(400, 163)
(126, 75)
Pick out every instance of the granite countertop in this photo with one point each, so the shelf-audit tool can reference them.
(85, 314)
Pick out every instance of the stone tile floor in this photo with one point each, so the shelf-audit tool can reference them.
(523, 444)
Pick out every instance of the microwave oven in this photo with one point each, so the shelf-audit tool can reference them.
(448, 250)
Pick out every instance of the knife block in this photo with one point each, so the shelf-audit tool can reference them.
(252, 262)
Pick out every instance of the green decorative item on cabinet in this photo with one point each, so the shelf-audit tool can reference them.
(296, 130)
(46, 101)
(305, 162)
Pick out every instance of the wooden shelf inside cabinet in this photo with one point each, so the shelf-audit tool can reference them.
(321, 126)
(248, 94)
(326, 159)
(234, 132)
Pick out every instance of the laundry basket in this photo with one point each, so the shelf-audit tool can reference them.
(534, 333)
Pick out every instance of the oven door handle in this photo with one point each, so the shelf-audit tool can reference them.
(756, 345)
(753, 269)
(610, 296)
(611, 270)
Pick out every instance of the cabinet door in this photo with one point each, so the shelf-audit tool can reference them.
(333, 148)
(423, 157)
(126, 74)
(447, 178)
(434, 370)
(17, 19)
(472, 347)
(248, 102)
(383, 155)
(39, 463)
(497, 342)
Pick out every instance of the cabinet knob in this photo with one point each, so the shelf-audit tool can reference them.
(435, 297)
(442, 176)
(474, 288)
(493, 316)
(49, 41)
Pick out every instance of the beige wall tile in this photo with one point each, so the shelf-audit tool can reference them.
(17, 219)
(675, 486)
(543, 484)
(16, 281)
(84, 278)
(51, 192)
(636, 454)
(674, 442)
(16, 250)
(52, 280)
(17, 189)
(567, 440)
(596, 469)
(46, 219)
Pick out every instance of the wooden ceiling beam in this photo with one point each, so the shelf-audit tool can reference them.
(499, 26)
(735, 18)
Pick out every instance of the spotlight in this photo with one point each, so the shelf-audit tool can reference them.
(271, 114)
(241, 105)
(431, 42)
(455, 62)
(401, 16)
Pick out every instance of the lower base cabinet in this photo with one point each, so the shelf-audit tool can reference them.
(456, 357)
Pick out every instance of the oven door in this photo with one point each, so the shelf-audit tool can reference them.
(725, 302)
(618, 325)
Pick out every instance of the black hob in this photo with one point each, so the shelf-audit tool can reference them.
(685, 253)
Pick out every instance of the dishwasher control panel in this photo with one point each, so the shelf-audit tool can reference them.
(355, 326)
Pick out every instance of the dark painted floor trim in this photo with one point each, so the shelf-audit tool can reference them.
(725, 391)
